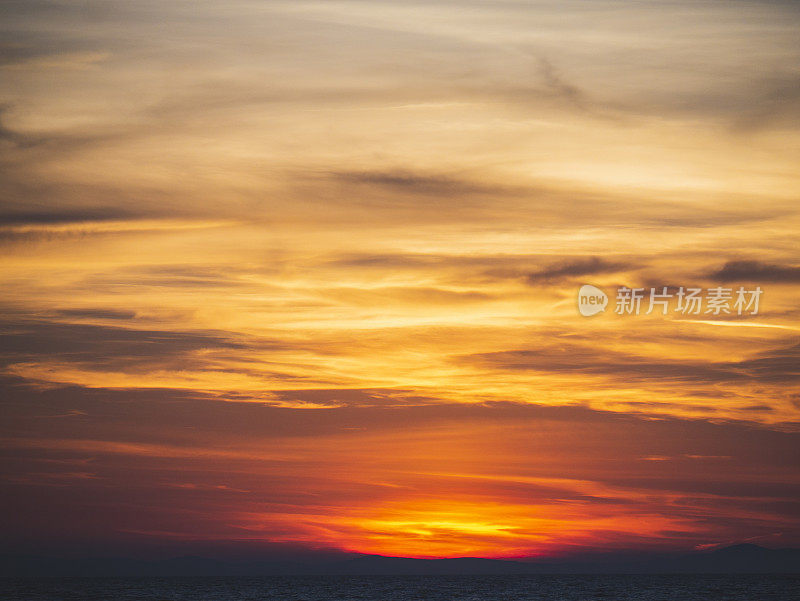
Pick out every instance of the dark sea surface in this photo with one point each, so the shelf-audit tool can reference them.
(409, 588)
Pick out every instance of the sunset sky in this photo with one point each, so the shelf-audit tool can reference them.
(288, 276)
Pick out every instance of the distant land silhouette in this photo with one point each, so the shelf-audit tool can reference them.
(744, 559)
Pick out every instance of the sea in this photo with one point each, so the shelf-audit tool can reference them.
(410, 588)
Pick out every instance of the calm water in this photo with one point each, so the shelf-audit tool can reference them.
(410, 588)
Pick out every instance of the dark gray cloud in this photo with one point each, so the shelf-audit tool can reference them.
(389, 260)
(113, 348)
(102, 347)
(361, 409)
(574, 268)
(97, 313)
(556, 83)
(173, 276)
(556, 89)
(55, 216)
(417, 183)
(756, 271)
(758, 408)
(777, 366)
(476, 195)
